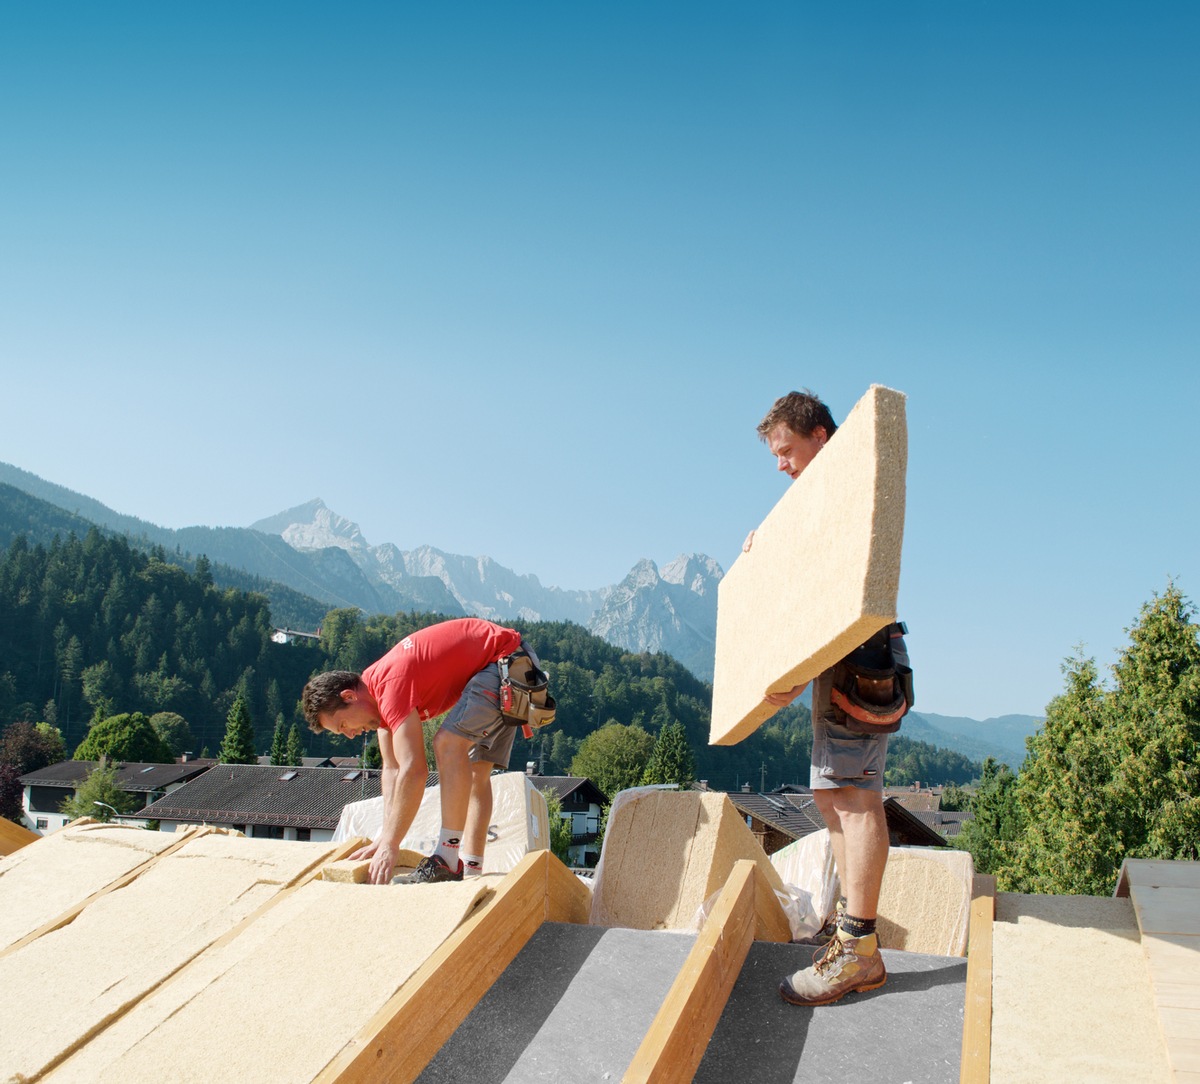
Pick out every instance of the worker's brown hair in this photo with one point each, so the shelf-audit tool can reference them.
(323, 695)
(801, 412)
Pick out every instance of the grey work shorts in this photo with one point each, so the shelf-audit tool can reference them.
(477, 717)
(843, 758)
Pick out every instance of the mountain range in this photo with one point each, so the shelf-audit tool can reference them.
(309, 558)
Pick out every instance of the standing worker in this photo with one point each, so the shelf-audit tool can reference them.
(855, 704)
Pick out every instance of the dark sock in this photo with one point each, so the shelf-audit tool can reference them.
(856, 927)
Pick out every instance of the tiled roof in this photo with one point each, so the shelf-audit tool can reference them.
(135, 776)
(915, 801)
(564, 786)
(793, 814)
(262, 794)
(949, 824)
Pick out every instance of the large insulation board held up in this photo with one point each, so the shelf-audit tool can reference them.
(823, 572)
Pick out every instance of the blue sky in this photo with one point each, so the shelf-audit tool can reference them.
(401, 258)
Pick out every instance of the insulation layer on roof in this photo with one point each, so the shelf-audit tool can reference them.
(127, 942)
(1071, 993)
(925, 900)
(276, 1003)
(665, 854)
(39, 883)
(823, 572)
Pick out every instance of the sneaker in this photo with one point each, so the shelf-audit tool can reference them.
(847, 964)
(825, 934)
(431, 870)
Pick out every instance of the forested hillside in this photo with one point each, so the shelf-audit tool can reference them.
(93, 627)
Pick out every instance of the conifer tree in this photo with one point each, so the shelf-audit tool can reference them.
(671, 760)
(100, 786)
(1157, 734)
(295, 748)
(279, 743)
(238, 746)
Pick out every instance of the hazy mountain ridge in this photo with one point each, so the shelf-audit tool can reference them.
(1002, 737)
(672, 611)
(314, 552)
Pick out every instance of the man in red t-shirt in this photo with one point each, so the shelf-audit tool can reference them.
(446, 667)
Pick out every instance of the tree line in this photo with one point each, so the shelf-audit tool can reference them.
(123, 651)
(1114, 772)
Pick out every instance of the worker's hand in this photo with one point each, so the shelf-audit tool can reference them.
(383, 864)
(782, 700)
(748, 543)
(364, 852)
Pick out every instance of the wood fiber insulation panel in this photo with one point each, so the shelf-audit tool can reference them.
(823, 572)
(925, 900)
(127, 942)
(1071, 993)
(45, 880)
(278, 1002)
(665, 854)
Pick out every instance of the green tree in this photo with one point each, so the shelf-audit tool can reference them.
(1069, 843)
(671, 761)
(174, 730)
(28, 746)
(127, 737)
(1156, 733)
(294, 754)
(996, 824)
(613, 757)
(372, 757)
(279, 743)
(100, 786)
(238, 746)
(560, 828)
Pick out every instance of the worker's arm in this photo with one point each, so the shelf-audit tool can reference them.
(782, 700)
(403, 786)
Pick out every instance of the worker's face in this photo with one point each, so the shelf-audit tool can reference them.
(358, 714)
(793, 452)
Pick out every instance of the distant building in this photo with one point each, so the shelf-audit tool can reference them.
(790, 813)
(582, 804)
(265, 801)
(47, 788)
(290, 636)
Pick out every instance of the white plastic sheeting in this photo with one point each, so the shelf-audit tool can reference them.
(519, 822)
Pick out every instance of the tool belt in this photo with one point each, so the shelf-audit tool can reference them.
(525, 699)
(858, 678)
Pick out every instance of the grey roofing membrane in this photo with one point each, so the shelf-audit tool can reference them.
(573, 1005)
(577, 1001)
(909, 1031)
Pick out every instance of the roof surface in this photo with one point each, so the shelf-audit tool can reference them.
(132, 776)
(263, 794)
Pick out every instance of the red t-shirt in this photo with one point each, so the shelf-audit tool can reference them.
(429, 669)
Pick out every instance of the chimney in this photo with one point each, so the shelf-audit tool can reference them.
(531, 767)
(745, 788)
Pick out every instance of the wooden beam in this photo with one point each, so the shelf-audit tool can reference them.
(681, 1031)
(14, 836)
(403, 1036)
(771, 921)
(976, 1065)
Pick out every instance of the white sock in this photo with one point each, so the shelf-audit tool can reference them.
(447, 848)
(472, 865)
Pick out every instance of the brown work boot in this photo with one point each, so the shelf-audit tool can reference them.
(825, 934)
(846, 964)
